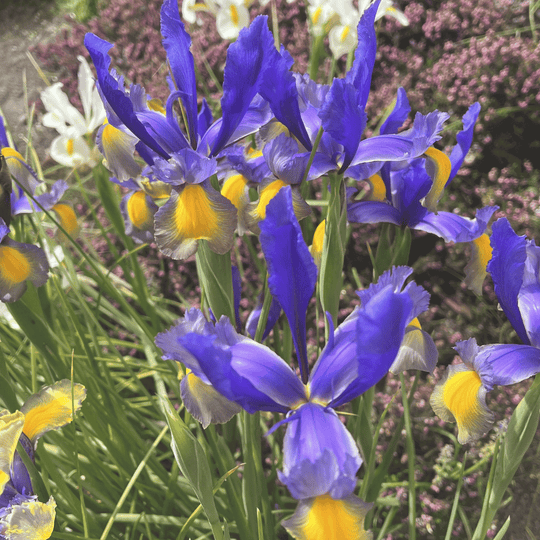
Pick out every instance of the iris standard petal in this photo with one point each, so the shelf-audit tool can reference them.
(319, 454)
(464, 139)
(344, 118)
(117, 100)
(324, 518)
(399, 114)
(27, 519)
(247, 61)
(506, 267)
(195, 212)
(279, 89)
(19, 263)
(454, 228)
(460, 396)
(529, 307)
(51, 408)
(292, 272)
(177, 43)
(364, 56)
(205, 403)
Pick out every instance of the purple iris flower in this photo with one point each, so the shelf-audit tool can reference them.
(460, 395)
(320, 456)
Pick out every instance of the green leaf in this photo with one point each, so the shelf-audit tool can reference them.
(192, 461)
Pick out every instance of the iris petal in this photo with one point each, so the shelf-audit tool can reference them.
(398, 115)
(506, 267)
(11, 427)
(292, 272)
(192, 213)
(51, 408)
(324, 518)
(460, 396)
(28, 519)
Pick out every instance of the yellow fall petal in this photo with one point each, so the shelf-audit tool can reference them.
(15, 267)
(51, 408)
(318, 243)
(138, 211)
(476, 269)
(460, 396)
(324, 518)
(378, 189)
(30, 520)
(234, 189)
(11, 427)
(441, 172)
(67, 218)
(266, 195)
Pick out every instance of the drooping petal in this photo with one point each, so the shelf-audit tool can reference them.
(27, 519)
(464, 139)
(231, 17)
(324, 518)
(455, 228)
(236, 189)
(192, 213)
(51, 408)
(316, 248)
(205, 403)
(292, 272)
(71, 152)
(417, 351)
(118, 148)
(461, 397)
(319, 454)
(507, 267)
(19, 263)
(177, 43)
(476, 269)
(67, 218)
(11, 427)
(138, 211)
(22, 172)
(438, 166)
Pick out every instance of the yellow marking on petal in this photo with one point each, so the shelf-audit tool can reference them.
(157, 189)
(137, 209)
(30, 520)
(476, 269)
(460, 396)
(69, 147)
(14, 265)
(234, 189)
(344, 33)
(111, 136)
(51, 408)
(332, 519)
(316, 15)
(68, 218)
(416, 323)
(443, 167)
(4, 479)
(8, 152)
(252, 153)
(316, 247)
(234, 15)
(485, 251)
(378, 189)
(267, 194)
(11, 427)
(194, 215)
(155, 104)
